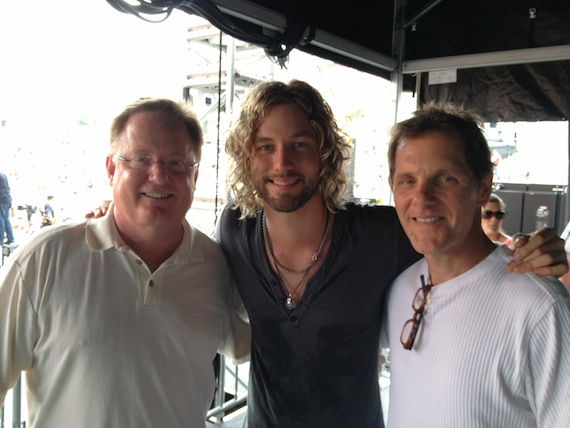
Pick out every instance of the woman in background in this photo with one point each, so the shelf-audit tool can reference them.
(492, 215)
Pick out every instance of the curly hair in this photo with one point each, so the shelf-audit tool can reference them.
(450, 120)
(179, 110)
(334, 147)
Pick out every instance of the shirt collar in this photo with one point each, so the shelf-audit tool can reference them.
(102, 234)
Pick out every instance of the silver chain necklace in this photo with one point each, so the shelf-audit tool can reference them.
(289, 302)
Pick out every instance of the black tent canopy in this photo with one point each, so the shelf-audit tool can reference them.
(515, 54)
(507, 60)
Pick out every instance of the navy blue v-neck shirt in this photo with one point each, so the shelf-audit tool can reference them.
(316, 366)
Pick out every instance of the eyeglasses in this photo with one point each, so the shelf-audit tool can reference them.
(412, 326)
(144, 163)
(489, 214)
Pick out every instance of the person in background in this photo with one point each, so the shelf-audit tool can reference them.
(48, 215)
(6, 233)
(471, 344)
(311, 269)
(116, 321)
(492, 216)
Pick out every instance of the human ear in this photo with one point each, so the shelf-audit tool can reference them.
(110, 166)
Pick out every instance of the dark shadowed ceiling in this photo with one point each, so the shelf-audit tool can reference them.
(506, 59)
(434, 28)
(502, 50)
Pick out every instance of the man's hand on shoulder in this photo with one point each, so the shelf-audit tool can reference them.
(541, 252)
(100, 211)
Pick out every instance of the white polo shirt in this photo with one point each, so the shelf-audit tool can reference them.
(103, 341)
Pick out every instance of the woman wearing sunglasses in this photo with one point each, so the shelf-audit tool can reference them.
(492, 216)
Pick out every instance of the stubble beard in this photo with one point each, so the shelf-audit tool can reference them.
(286, 202)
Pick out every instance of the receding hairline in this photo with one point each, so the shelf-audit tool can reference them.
(178, 110)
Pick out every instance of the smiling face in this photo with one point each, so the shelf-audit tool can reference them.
(152, 199)
(286, 161)
(437, 198)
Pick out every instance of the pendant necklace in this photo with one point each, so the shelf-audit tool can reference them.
(289, 302)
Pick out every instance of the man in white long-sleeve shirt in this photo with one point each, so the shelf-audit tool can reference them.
(472, 345)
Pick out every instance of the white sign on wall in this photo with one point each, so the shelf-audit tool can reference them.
(440, 77)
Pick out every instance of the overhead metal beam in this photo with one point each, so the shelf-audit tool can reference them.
(519, 56)
(266, 18)
(414, 19)
(259, 15)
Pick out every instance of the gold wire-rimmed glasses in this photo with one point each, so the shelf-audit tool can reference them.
(412, 326)
(144, 163)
